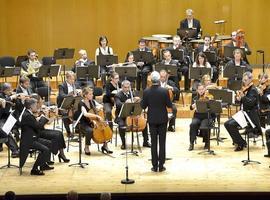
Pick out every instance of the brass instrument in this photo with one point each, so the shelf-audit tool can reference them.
(32, 68)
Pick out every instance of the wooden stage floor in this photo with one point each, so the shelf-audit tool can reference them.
(186, 172)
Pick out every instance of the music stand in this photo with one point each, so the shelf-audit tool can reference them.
(63, 54)
(130, 109)
(211, 56)
(177, 54)
(171, 69)
(228, 51)
(234, 72)
(105, 60)
(143, 56)
(88, 72)
(48, 71)
(187, 33)
(199, 72)
(126, 72)
(209, 106)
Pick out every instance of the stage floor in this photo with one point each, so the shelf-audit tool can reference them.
(186, 172)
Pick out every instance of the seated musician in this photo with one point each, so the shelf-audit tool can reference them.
(184, 64)
(9, 99)
(125, 96)
(143, 69)
(249, 99)
(68, 88)
(238, 41)
(30, 68)
(112, 88)
(30, 139)
(199, 119)
(191, 23)
(88, 107)
(200, 61)
(207, 46)
(83, 62)
(171, 86)
(103, 49)
(130, 62)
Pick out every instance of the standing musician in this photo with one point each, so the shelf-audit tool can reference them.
(103, 49)
(68, 88)
(30, 68)
(112, 88)
(83, 62)
(171, 86)
(88, 107)
(184, 65)
(191, 23)
(145, 68)
(9, 99)
(207, 46)
(199, 119)
(156, 99)
(126, 96)
(249, 99)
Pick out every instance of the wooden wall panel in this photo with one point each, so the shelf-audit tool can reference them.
(48, 24)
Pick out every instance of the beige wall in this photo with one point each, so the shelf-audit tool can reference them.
(48, 24)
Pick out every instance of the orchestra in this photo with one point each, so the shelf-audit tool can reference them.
(97, 117)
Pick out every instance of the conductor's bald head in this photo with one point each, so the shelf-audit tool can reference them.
(155, 78)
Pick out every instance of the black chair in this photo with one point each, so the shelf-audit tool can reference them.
(43, 92)
(48, 60)
(7, 61)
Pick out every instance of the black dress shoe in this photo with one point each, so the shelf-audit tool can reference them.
(50, 163)
(154, 169)
(206, 145)
(62, 157)
(171, 129)
(106, 150)
(123, 146)
(146, 144)
(37, 172)
(46, 167)
(162, 169)
(191, 147)
(15, 154)
(267, 155)
(239, 148)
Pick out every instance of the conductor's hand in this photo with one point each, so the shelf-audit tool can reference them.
(137, 99)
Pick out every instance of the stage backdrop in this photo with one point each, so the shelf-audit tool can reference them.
(48, 24)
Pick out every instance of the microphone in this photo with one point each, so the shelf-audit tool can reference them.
(260, 51)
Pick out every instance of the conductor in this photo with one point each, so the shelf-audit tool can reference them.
(157, 118)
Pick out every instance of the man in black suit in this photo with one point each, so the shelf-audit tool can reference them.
(30, 139)
(157, 117)
(68, 88)
(249, 100)
(126, 96)
(191, 23)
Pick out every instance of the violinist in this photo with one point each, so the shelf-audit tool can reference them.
(264, 91)
(125, 96)
(88, 106)
(83, 62)
(112, 88)
(9, 99)
(199, 119)
(30, 68)
(68, 88)
(171, 86)
(249, 99)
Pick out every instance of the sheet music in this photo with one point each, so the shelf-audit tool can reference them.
(268, 97)
(239, 117)
(11, 121)
(79, 118)
(249, 120)
(20, 118)
(233, 96)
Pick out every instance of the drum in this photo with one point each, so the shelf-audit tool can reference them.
(152, 43)
(162, 36)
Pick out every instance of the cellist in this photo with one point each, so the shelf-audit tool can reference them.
(87, 107)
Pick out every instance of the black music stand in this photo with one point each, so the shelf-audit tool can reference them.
(209, 106)
(143, 56)
(187, 33)
(63, 54)
(211, 56)
(105, 60)
(199, 72)
(177, 54)
(49, 71)
(126, 72)
(171, 69)
(130, 109)
(228, 51)
(88, 72)
(80, 163)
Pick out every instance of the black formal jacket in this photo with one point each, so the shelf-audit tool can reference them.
(108, 96)
(176, 90)
(119, 99)
(30, 132)
(156, 99)
(63, 92)
(264, 101)
(200, 49)
(6, 111)
(196, 24)
(250, 103)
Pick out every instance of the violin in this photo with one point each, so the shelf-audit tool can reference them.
(262, 86)
(243, 90)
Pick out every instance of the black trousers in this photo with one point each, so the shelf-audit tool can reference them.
(66, 121)
(43, 146)
(87, 130)
(108, 113)
(122, 131)
(267, 136)
(185, 71)
(194, 127)
(142, 77)
(56, 138)
(11, 143)
(232, 127)
(158, 140)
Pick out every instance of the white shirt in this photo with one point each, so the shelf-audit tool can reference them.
(104, 51)
(163, 84)
(24, 90)
(205, 47)
(167, 62)
(70, 88)
(190, 23)
(207, 64)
